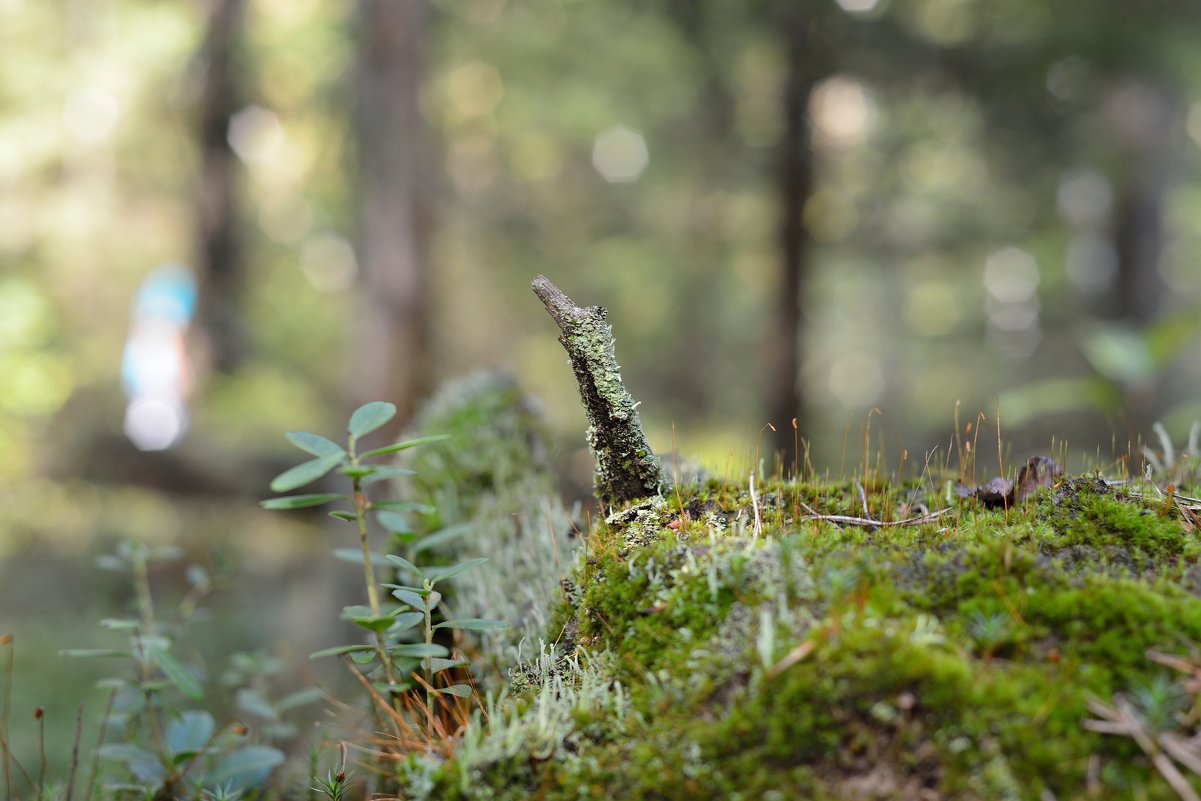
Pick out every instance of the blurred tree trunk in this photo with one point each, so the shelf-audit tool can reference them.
(1141, 114)
(392, 360)
(1143, 122)
(806, 64)
(220, 252)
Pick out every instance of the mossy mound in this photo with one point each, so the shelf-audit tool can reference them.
(703, 654)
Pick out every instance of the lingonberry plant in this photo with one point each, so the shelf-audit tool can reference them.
(401, 655)
(161, 748)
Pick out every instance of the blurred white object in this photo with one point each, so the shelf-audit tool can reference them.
(154, 367)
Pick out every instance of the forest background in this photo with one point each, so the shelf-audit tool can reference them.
(801, 210)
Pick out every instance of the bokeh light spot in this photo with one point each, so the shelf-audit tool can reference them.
(842, 111)
(255, 134)
(1011, 275)
(153, 424)
(475, 89)
(1084, 198)
(620, 154)
(858, 6)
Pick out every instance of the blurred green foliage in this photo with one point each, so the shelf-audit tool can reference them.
(926, 168)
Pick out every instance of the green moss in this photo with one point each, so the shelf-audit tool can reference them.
(812, 661)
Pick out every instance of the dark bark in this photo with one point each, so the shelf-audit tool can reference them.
(806, 65)
(626, 469)
(1143, 128)
(220, 256)
(393, 339)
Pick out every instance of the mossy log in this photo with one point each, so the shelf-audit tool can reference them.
(626, 468)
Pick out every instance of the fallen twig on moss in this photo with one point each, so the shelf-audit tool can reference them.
(866, 522)
(1121, 719)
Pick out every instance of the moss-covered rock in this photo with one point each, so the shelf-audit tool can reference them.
(697, 658)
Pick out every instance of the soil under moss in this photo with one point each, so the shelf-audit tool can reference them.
(700, 655)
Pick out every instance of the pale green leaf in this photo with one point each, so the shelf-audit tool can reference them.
(369, 417)
(314, 443)
(306, 472)
(472, 624)
(436, 574)
(403, 446)
(301, 501)
(338, 650)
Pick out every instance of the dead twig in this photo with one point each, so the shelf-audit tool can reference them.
(1121, 719)
(867, 522)
(867, 512)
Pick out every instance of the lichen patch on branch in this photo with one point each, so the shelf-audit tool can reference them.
(626, 468)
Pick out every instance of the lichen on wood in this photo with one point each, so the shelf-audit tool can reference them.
(626, 468)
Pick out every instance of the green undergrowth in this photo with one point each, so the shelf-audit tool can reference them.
(698, 653)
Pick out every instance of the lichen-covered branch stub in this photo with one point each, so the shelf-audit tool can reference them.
(626, 469)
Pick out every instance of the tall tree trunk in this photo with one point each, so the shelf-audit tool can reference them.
(1141, 114)
(220, 253)
(392, 346)
(795, 171)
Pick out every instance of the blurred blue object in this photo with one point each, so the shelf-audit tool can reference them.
(155, 371)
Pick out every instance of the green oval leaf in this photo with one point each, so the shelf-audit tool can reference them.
(253, 703)
(338, 650)
(436, 574)
(404, 446)
(407, 620)
(472, 624)
(439, 665)
(357, 471)
(392, 521)
(119, 623)
(306, 472)
(418, 649)
(411, 598)
(460, 690)
(385, 472)
(314, 443)
(400, 561)
(300, 698)
(90, 652)
(441, 537)
(246, 767)
(378, 624)
(369, 417)
(404, 506)
(178, 674)
(355, 556)
(301, 501)
(349, 517)
(190, 732)
(363, 657)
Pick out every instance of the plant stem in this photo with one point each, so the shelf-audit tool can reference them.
(142, 586)
(429, 661)
(141, 583)
(361, 505)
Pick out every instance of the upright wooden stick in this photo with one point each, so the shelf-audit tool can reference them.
(626, 469)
